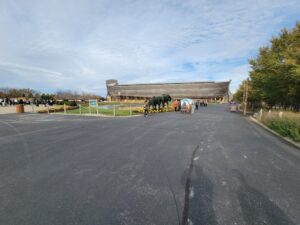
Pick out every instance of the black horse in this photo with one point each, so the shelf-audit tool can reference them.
(159, 101)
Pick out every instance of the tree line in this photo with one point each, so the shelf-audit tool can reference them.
(8, 93)
(16, 93)
(274, 79)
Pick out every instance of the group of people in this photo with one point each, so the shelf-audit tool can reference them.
(8, 101)
(177, 105)
(15, 101)
(187, 105)
(184, 105)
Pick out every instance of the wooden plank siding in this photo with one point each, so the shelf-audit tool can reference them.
(195, 90)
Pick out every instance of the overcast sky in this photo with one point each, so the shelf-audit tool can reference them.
(49, 45)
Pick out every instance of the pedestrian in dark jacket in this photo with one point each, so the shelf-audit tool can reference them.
(146, 108)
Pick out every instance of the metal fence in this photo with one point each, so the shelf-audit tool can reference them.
(264, 115)
(108, 109)
(101, 110)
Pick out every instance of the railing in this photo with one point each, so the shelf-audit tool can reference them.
(105, 110)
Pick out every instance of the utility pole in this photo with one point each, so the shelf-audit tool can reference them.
(245, 96)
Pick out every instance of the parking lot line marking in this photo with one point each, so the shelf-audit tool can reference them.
(30, 132)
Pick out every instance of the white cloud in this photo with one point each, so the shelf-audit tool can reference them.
(78, 45)
(13, 66)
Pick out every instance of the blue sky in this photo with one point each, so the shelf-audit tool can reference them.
(77, 45)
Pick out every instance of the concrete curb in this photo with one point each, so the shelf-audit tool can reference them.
(289, 141)
(92, 115)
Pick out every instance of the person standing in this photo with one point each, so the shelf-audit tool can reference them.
(184, 107)
(175, 105)
(146, 108)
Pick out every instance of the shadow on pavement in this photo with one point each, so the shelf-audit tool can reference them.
(256, 207)
(198, 208)
(201, 210)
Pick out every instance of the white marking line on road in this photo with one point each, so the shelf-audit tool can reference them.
(192, 193)
(24, 142)
(20, 117)
(26, 115)
(189, 222)
(196, 158)
(31, 132)
(8, 121)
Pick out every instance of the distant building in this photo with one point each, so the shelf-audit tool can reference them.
(216, 91)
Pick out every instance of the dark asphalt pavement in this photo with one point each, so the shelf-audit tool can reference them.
(213, 167)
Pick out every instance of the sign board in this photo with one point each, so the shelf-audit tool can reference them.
(93, 103)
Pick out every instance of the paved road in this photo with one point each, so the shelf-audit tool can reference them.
(213, 167)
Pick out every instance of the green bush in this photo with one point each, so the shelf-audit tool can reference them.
(72, 103)
(68, 103)
(57, 109)
(286, 127)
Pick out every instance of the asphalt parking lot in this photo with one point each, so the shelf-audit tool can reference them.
(213, 167)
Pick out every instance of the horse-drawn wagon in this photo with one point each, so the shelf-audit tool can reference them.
(187, 105)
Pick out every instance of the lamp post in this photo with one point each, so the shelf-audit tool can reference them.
(245, 96)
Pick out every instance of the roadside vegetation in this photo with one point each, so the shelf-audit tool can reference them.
(116, 109)
(60, 97)
(109, 111)
(105, 108)
(274, 83)
(56, 109)
(285, 123)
